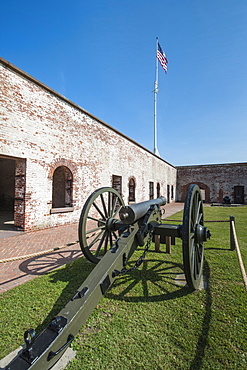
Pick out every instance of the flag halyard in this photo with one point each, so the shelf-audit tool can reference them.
(162, 58)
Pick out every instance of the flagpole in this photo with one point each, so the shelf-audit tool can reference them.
(156, 90)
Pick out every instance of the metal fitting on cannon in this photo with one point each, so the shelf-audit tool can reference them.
(130, 214)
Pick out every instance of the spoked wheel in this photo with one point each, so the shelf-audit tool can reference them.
(96, 226)
(193, 235)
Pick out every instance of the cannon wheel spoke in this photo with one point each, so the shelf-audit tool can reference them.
(94, 236)
(193, 252)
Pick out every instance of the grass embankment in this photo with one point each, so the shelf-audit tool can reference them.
(146, 321)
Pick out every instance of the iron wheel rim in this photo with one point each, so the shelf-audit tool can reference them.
(193, 251)
(94, 235)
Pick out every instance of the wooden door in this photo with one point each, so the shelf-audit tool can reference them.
(239, 194)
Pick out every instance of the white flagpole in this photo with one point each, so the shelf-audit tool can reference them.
(156, 90)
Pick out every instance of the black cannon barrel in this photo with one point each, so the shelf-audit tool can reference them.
(130, 214)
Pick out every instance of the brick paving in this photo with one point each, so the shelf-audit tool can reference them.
(17, 272)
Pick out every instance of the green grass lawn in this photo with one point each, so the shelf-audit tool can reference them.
(146, 321)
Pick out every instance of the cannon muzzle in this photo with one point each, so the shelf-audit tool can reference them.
(130, 214)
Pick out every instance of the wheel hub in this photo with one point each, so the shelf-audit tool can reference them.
(201, 234)
(110, 224)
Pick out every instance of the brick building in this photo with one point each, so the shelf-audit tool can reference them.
(54, 154)
(216, 181)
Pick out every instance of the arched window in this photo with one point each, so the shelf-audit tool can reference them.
(62, 187)
(132, 190)
(158, 189)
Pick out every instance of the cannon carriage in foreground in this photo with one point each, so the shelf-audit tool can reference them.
(109, 233)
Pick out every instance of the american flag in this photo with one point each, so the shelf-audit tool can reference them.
(162, 58)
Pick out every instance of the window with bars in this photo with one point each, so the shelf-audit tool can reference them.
(151, 190)
(117, 185)
(62, 187)
(132, 186)
(168, 193)
(158, 189)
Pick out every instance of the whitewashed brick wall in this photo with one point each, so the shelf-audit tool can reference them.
(45, 128)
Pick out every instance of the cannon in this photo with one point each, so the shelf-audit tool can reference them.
(109, 233)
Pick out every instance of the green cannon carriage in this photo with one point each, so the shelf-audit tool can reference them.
(109, 233)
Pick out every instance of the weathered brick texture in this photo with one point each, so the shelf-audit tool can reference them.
(41, 130)
(218, 181)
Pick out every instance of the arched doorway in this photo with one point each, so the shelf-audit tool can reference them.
(205, 191)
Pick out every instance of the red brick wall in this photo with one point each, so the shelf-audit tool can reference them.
(20, 194)
(217, 180)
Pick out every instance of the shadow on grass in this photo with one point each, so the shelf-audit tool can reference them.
(154, 277)
(217, 249)
(161, 274)
(75, 271)
(162, 271)
(203, 336)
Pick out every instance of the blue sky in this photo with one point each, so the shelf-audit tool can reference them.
(101, 55)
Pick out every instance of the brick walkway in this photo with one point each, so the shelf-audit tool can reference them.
(17, 272)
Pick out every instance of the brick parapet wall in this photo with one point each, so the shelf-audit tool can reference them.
(218, 180)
